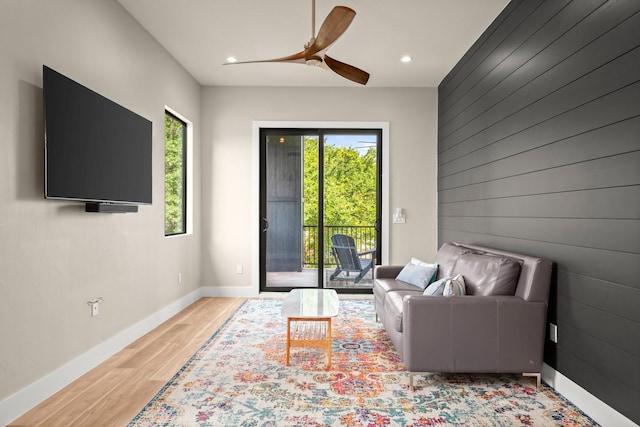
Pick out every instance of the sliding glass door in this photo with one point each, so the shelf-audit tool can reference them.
(351, 208)
(319, 208)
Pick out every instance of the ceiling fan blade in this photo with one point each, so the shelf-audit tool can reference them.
(347, 71)
(332, 28)
(295, 58)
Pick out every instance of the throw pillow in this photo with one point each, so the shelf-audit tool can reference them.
(416, 261)
(417, 275)
(454, 286)
(436, 288)
(447, 286)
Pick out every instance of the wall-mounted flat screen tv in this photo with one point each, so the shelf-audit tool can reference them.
(95, 150)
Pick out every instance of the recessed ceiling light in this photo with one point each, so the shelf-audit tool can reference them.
(406, 58)
(231, 59)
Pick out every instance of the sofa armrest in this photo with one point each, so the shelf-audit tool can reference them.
(387, 271)
(473, 334)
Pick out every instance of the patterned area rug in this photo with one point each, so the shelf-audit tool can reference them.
(238, 378)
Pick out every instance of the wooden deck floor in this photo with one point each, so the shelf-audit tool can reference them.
(308, 277)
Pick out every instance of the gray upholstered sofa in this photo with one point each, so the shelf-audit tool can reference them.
(497, 327)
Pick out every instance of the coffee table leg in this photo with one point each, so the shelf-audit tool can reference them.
(329, 348)
(288, 339)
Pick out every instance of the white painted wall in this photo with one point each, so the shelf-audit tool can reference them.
(228, 164)
(54, 257)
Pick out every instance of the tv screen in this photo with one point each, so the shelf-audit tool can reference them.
(95, 149)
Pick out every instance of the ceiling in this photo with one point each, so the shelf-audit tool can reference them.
(201, 34)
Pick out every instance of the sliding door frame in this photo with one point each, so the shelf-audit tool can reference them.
(256, 172)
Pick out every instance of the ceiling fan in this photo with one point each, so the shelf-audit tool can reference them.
(314, 54)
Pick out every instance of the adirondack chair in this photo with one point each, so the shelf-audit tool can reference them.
(348, 259)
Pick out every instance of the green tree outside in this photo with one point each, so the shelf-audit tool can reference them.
(349, 189)
(174, 131)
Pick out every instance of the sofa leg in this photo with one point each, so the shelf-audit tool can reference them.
(411, 375)
(533, 374)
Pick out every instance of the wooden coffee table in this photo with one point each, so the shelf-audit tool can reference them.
(309, 313)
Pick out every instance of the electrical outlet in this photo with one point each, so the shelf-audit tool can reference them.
(179, 278)
(93, 305)
(553, 332)
(239, 269)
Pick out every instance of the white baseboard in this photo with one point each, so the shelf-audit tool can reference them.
(230, 291)
(602, 413)
(27, 398)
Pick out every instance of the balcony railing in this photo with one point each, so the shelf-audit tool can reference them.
(364, 237)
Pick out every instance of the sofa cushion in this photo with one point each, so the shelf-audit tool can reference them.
(487, 274)
(382, 286)
(418, 275)
(447, 257)
(393, 307)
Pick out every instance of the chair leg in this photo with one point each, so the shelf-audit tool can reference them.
(363, 273)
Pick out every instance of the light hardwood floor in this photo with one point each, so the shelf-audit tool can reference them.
(114, 392)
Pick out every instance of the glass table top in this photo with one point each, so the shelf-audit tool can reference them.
(311, 303)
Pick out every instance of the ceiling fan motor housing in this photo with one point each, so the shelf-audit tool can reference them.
(313, 60)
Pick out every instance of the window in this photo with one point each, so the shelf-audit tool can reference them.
(175, 175)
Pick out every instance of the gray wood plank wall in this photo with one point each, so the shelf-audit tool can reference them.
(539, 152)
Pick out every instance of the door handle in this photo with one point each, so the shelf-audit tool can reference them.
(376, 225)
(266, 225)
